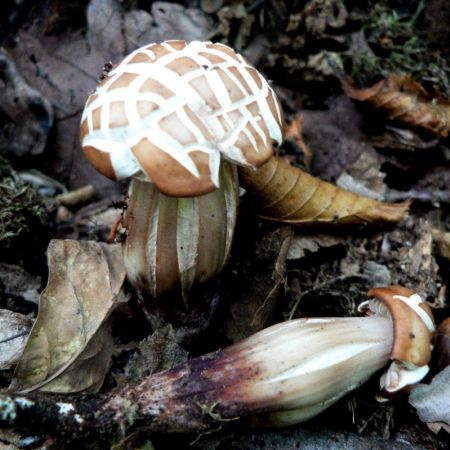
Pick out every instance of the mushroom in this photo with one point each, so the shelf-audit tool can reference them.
(178, 117)
(413, 331)
(289, 372)
(280, 376)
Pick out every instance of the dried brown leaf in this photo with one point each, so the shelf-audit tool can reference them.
(288, 194)
(87, 372)
(14, 330)
(70, 345)
(405, 100)
(432, 402)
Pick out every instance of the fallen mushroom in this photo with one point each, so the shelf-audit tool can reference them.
(165, 116)
(291, 371)
(280, 376)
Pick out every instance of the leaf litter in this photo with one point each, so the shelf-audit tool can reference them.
(70, 346)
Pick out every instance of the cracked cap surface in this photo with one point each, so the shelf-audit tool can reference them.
(168, 112)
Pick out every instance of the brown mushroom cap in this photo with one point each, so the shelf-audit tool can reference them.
(168, 112)
(413, 328)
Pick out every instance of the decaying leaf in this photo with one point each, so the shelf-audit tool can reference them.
(417, 260)
(432, 402)
(442, 239)
(251, 306)
(14, 329)
(159, 351)
(70, 345)
(288, 194)
(301, 244)
(395, 137)
(28, 126)
(364, 177)
(15, 282)
(405, 100)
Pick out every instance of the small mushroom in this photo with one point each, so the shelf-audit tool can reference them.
(287, 373)
(413, 331)
(177, 117)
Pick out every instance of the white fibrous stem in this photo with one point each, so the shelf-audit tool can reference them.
(172, 242)
(283, 375)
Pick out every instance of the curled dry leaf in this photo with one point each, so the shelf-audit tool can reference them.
(288, 194)
(432, 402)
(14, 329)
(70, 345)
(405, 100)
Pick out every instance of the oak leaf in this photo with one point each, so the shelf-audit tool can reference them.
(288, 194)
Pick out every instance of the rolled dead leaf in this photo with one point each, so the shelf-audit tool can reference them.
(288, 194)
(405, 100)
(70, 345)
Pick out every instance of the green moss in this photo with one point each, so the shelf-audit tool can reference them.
(393, 43)
(21, 209)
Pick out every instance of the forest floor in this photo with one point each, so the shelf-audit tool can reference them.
(51, 56)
